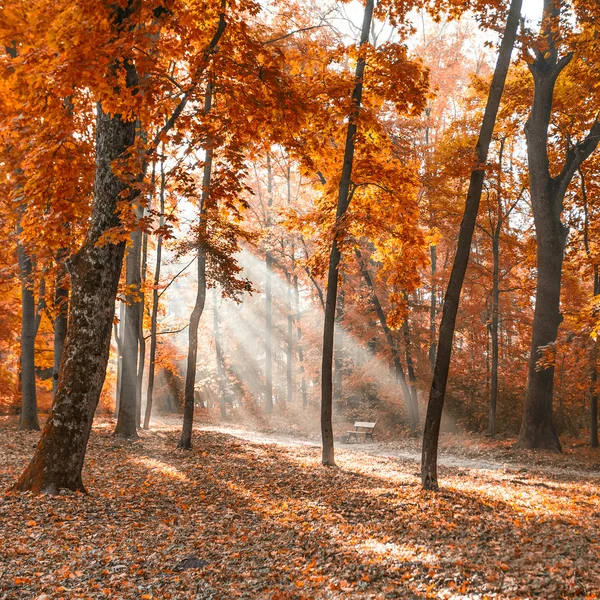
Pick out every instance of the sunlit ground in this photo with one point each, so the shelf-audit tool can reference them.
(270, 522)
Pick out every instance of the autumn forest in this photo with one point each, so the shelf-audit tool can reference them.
(299, 299)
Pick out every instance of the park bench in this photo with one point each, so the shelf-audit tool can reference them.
(362, 430)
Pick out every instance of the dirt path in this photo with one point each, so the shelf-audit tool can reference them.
(374, 449)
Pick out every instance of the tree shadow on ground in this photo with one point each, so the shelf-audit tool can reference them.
(270, 522)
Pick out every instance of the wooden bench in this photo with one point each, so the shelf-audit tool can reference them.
(361, 429)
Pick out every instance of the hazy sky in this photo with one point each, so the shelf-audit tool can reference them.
(532, 9)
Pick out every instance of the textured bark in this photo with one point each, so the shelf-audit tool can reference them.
(127, 421)
(343, 202)
(155, 300)
(95, 271)
(29, 417)
(185, 441)
(547, 196)
(61, 304)
(450, 307)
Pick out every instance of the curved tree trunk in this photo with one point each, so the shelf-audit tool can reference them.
(450, 307)
(334, 258)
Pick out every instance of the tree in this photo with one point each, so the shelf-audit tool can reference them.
(461, 259)
(95, 269)
(547, 196)
(334, 258)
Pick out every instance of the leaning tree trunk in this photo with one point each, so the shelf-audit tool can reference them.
(29, 414)
(334, 258)
(95, 271)
(450, 307)
(547, 196)
(185, 441)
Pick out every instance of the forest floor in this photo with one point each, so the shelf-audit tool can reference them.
(268, 521)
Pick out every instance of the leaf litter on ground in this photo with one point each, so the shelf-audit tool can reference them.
(261, 520)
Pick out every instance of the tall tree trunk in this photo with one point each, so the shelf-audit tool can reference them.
(155, 297)
(269, 301)
(343, 202)
(127, 421)
(547, 196)
(433, 308)
(185, 440)
(61, 305)
(95, 272)
(299, 340)
(444, 350)
(221, 374)
(29, 416)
